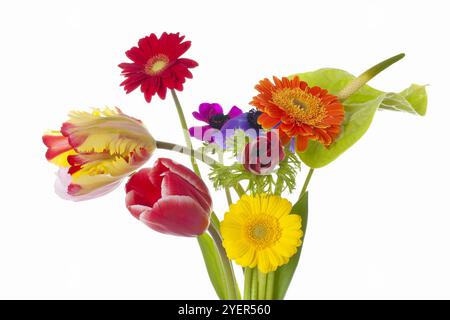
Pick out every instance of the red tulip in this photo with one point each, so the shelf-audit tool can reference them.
(263, 154)
(170, 199)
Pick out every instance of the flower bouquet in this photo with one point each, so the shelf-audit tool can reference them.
(294, 124)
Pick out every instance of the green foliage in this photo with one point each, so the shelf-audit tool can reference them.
(287, 172)
(413, 100)
(213, 265)
(284, 274)
(224, 176)
(360, 108)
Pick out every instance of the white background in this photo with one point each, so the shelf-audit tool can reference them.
(379, 215)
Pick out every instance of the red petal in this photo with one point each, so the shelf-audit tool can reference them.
(188, 63)
(162, 91)
(75, 141)
(177, 215)
(185, 173)
(174, 185)
(135, 209)
(56, 145)
(149, 88)
(128, 68)
(145, 191)
(137, 55)
(146, 46)
(73, 189)
(130, 86)
(175, 45)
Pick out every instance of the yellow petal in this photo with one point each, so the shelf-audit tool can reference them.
(61, 160)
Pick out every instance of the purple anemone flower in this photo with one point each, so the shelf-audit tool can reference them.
(247, 122)
(212, 114)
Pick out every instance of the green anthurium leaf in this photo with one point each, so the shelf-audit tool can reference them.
(360, 109)
(284, 274)
(358, 117)
(412, 100)
(213, 264)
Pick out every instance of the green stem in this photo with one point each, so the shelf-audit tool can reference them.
(307, 180)
(358, 82)
(254, 290)
(270, 285)
(278, 186)
(185, 150)
(228, 194)
(262, 281)
(188, 141)
(239, 190)
(248, 274)
(197, 155)
(232, 286)
(187, 137)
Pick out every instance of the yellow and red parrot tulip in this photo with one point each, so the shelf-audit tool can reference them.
(96, 150)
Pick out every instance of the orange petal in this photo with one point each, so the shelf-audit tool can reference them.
(315, 91)
(284, 138)
(267, 122)
(301, 143)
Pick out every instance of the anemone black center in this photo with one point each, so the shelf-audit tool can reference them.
(252, 118)
(218, 120)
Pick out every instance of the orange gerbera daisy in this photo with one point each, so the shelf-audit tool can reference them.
(299, 111)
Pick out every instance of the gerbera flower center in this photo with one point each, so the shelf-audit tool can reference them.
(299, 105)
(218, 120)
(262, 231)
(156, 64)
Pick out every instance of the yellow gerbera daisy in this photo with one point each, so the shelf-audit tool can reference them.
(258, 231)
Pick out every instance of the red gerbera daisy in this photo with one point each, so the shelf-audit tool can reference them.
(157, 65)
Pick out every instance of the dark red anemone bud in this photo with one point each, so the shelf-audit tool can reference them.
(263, 154)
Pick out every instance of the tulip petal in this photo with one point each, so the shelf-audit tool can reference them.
(144, 191)
(173, 184)
(186, 174)
(136, 210)
(177, 215)
(99, 148)
(63, 186)
(106, 129)
(58, 148)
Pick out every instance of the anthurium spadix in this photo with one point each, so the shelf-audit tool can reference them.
(96, 150)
